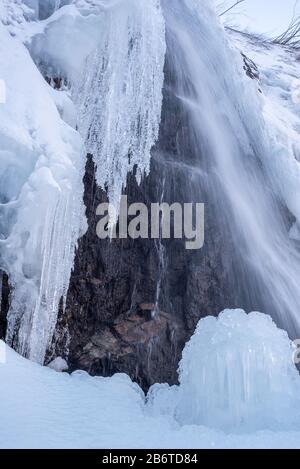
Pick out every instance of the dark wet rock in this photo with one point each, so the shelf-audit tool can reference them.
(250, 68)
(4, 302)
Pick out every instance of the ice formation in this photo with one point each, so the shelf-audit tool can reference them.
(236, 374)
(120, 93)
(119, 98)
(117, 77)
(41, 213)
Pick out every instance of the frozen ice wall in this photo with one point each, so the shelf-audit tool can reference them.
(41, 210)
(111, 53)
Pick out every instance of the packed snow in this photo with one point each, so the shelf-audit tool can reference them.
(238, 388)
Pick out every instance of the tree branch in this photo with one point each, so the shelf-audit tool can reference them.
(231, 7)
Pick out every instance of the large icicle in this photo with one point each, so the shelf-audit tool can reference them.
(41, 209)
(120, 92)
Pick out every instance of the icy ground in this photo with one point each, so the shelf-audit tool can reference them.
(238, 389)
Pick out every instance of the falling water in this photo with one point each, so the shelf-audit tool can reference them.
(230, 135)
(57, 4)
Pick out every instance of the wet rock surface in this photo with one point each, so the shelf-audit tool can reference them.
(4, 302)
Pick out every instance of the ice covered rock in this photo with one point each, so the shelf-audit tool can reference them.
(58, 364)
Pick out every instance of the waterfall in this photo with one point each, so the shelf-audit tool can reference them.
(57, 4)
(119, 97)
(236, 155)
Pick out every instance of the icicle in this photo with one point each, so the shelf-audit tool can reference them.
(120, 93)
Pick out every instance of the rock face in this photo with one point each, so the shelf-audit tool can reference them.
(4, 302)
(108, 325)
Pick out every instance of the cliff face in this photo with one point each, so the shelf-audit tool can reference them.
(4, 302)
(107, 326)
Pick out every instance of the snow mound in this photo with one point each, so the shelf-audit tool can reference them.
(235, 371)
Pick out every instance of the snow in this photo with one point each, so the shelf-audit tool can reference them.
(42, 163)
(41, 408)
(58, 364)
(280, 85)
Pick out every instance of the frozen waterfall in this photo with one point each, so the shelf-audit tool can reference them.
(120, 93)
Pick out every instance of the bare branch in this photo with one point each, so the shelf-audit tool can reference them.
(231, 7)
(291, 36)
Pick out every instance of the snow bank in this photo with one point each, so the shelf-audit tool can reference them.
(231, 369)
